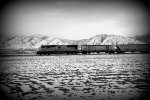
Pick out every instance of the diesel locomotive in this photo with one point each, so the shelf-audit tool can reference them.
(88, 49)
(57, 49)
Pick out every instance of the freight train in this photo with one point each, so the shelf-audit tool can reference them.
(88, 49)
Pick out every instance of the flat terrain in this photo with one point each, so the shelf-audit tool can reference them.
(75, 77)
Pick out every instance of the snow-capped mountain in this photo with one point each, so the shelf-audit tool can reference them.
(23, 42)
(104, 39)
(115, 39)
(97, 40)
(35, 41)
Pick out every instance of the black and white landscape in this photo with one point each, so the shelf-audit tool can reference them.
(25, 25)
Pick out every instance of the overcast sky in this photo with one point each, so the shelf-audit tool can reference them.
(72, 19)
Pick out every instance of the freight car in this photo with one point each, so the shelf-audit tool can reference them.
(141, 48)
(57, 49)
(85, 49)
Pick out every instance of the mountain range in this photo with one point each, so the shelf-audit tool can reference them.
(35, 41)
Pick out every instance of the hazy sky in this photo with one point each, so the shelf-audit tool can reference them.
(72, 19)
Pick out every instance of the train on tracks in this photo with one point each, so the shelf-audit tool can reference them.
(89, 49)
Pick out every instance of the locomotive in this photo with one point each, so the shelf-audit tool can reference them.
(88, 49)
(57, 49)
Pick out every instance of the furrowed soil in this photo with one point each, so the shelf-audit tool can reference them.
(75, 77)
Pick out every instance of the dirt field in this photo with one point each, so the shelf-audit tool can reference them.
(75, 77)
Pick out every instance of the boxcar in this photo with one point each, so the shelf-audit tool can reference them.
(142, 48)
(97, 48)
(58, 49)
